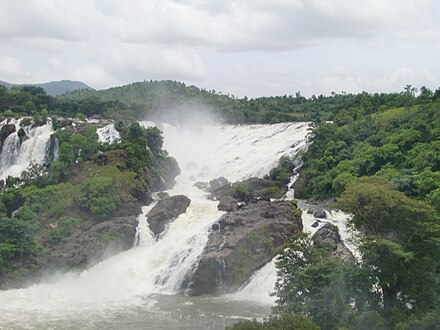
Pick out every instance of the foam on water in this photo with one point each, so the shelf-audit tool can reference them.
(158, 266)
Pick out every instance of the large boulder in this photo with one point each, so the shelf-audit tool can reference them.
(240, 243)
(218, 183)
(328, 235)
(165, 211)
(86, 247)
(320, 213)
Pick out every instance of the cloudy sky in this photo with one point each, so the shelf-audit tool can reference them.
(243, 47)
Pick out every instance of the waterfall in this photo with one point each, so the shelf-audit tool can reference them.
(261, 285)
(16, 156)
(159, 266)
(108, 134)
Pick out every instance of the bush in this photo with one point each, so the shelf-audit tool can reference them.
(98, 196)
(286, 322)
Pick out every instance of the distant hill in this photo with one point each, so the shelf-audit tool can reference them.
(54, 88)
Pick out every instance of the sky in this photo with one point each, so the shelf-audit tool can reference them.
(245, 48)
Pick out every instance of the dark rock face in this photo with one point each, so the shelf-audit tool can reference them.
(315, 224)
(170, 170)
(202, 185)
(165, 211)
(52, 148)
(228, 204)
(22, 135)
(240, 243)
(320, 213)
(7, 130)
(163, 195)
(248, 190)
(86, 247)
(329, 235)
(218, 183)
(65, 122)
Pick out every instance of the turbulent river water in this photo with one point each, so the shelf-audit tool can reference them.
(138, 289)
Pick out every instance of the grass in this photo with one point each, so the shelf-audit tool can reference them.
(395, 113)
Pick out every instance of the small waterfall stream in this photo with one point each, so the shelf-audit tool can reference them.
(17, 154)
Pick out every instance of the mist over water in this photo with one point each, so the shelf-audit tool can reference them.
(140, 287)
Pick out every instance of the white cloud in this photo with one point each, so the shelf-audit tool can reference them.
(10, 68)
(112, 42)
(394, 81)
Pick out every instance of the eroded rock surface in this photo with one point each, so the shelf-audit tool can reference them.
(240, 243)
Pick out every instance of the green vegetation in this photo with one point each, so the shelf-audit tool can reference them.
(89, 183)
(400, 144)
(175, 101)
(383, 166)
(393, 282)
(285, 322)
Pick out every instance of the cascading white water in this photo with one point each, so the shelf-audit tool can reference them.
(261, 286)
(132, 278)
(15, 157)
(108, 134)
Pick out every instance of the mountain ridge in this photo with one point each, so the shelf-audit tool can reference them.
(54, 88)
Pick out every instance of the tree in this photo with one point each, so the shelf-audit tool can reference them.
(409, 94)
(310, 282)
(399, 246)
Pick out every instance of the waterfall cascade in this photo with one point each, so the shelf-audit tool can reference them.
(157, 266)
(23, 146)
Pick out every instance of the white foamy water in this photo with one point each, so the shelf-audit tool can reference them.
(16, 157)
(158, 266)
(108, 134)
(262, 283)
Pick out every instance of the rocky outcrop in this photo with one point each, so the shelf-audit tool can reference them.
(202, 185)
(6, 130)
(248, 190)
(240, 243)
(320, 213)
(328, 235)
(22, 135)
(218, 183)
(52, 148)
(165, 211)
(170, 169)
(86, 247)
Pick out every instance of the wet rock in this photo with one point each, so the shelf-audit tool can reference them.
(65, 122)
(249, 190)
(163, 195)
(86, 247)
(165, 211)
(320, 213)
(52, 148)
(328, 234)
(315, 224)
(242, 242)
(22, 135)
(170, 170)
(7, 130)
(228, 204)
(218, 183)
(202, 185)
